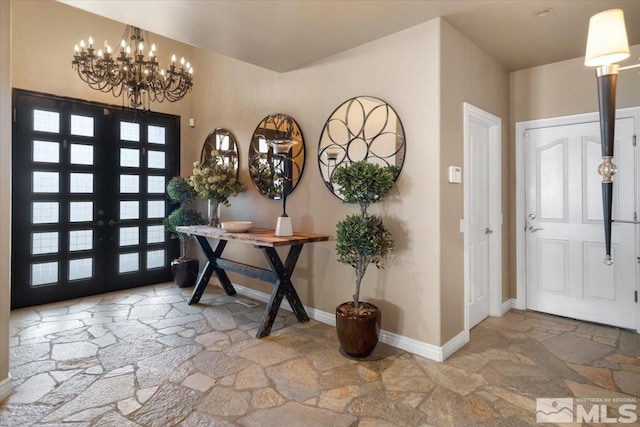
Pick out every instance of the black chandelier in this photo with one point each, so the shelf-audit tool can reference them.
(130, 73)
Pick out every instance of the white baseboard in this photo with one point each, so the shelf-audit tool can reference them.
(411, 345)
(507, 305)
(5, 388)
(518, 304)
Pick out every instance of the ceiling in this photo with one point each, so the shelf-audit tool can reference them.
(284, 35)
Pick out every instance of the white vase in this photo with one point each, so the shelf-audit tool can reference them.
(213, 212)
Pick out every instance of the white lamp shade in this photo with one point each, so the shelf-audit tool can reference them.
(607, 40)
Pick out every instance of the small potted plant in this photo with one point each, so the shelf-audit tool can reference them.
(183, 269)
(361, 239)
(215, 181)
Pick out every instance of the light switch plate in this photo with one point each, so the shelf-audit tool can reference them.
(455, 174)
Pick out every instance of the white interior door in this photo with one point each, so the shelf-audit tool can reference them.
(482, 214)
(565, 272)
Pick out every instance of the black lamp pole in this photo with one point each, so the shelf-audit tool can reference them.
(607, 80)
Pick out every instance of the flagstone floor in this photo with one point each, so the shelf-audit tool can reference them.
(143, 357)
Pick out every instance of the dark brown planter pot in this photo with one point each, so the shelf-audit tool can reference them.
(358, 333)
(185, 273)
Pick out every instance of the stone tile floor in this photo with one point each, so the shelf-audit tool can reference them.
(143, 357)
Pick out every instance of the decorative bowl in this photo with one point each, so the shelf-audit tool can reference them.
(236, 226)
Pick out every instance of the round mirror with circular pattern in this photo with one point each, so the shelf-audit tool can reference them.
(362, 128)
(276, 156)
(222, 141)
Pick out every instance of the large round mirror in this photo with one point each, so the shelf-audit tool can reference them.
(276, 156)
(362, 128)
(222, 141)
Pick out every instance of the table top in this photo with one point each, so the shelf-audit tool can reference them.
(255, 236)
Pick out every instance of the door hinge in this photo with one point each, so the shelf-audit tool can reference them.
(635, 296)
(14, 115)
(635, 140)
(635, 216)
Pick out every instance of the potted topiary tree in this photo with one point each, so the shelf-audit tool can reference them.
(183, 269)
(361, 239)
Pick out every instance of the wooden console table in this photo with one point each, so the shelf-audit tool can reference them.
(279, 274)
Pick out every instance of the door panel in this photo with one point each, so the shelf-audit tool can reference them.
(478, 249)
(66, 236)
(564, 231)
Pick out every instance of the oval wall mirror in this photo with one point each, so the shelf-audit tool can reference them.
(362, 128)
(222, 141)
(276, 156)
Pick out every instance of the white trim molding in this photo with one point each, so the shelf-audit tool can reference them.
(507, 305)
(494, 124)
(5, 388)
(428, 351)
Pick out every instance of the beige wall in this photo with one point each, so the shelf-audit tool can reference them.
(468, 75)
(401, 69)
(5, 187)
(560, 89)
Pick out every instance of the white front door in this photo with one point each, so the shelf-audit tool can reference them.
(482, 213)
(564, 243)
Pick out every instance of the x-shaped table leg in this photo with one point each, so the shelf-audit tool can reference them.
(282, 288)
(203, 280)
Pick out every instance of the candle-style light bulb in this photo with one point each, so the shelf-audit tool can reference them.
(188, 65)
(153, 46)
(140, 47)
(191, 70)
(100, 54)
(173, 58)
(123, 44)
(82, 44)
(108, 49)
(90, 41)
(128, 50)
(76, 48)
(181, 61)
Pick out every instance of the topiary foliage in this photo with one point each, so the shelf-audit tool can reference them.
(363, 239)
(182, 216)
(179, 191)
(363, 183)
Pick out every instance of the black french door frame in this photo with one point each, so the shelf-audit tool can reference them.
(83, 249)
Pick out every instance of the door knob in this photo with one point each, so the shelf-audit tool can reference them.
(532, 217)
(100, 223)
(533, 229)
(112, 222)
(488, 230)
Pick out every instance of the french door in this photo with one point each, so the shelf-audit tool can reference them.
(88, 198)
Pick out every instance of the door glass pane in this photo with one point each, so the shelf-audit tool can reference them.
(45, 212)
(45, 182)
(43, 273)
(80, 240)
(129, 157)
(155, 259)
(129, 184)
(155, 209)
(81, 183)
(155, 184)
(81, 154)
(80, 268)
(156, 134)
(129, 236)
(81, 125)
(155, 234)
(80, 211)
(46, 121)
(129, 131)
(44, 243)
(155, 159)
(128, 262)
(46, 152)
(129, 210)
